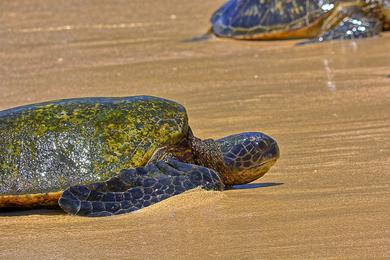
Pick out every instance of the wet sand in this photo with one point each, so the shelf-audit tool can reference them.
(328, 105)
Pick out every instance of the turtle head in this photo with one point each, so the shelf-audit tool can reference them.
(247, 156)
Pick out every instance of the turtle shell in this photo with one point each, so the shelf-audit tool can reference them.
(270, 19)
(47, 147)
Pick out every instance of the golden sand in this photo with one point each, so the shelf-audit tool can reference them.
(328, 105)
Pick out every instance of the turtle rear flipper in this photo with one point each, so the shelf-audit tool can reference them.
(137, 188)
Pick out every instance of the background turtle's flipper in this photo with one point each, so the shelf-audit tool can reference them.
(353, 27)
(137, 188)
(350, 21)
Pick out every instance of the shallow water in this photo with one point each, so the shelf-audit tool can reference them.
(326, 104)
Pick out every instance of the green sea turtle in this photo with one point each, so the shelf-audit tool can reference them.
(320, 20)
(106, 156)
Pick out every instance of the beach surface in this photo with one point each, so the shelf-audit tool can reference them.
(327, 105)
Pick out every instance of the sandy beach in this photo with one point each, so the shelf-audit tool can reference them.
(327, 105)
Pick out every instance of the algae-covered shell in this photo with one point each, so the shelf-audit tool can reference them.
(50, 146)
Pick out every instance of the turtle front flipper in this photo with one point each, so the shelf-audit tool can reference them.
(355, 26)
(134, 189)
(350, 20)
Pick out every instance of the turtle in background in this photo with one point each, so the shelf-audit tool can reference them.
(319, 20)
(107, 156)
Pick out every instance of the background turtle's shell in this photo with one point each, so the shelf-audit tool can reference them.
(251, 18)
(386, 13)
(49, 146)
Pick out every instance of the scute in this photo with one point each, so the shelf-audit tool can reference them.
(250, 18)
(50, 146)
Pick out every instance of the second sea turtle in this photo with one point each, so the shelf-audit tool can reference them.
(319, 20)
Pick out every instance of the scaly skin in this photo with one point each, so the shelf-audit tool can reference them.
(135, 189)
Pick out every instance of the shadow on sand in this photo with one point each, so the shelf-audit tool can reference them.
(46, 212)
(12, 212)
(254, 185)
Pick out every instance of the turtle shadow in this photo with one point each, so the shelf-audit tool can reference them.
(254, 185)
(12, 212)
(18, 212)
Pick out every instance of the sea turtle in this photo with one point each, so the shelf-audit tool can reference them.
(106, 156)
(320, 20)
